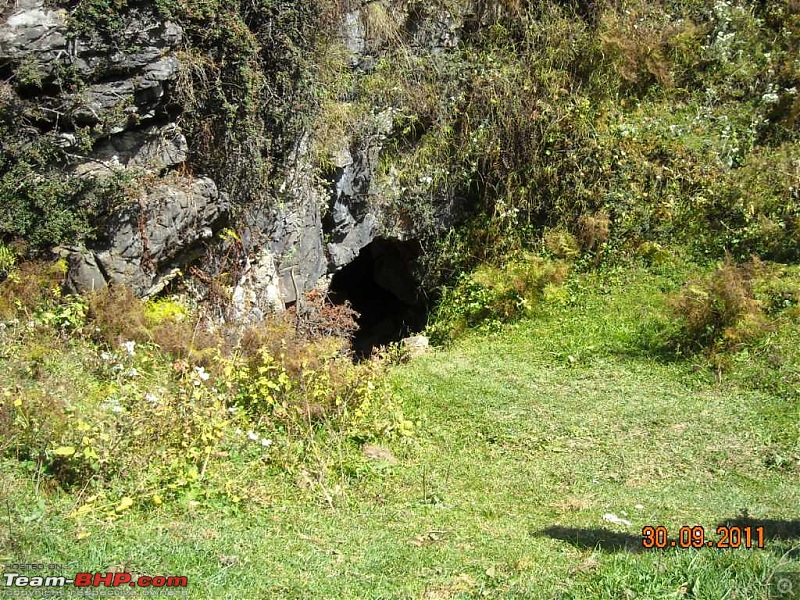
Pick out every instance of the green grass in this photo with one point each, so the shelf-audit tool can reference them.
(527, 438)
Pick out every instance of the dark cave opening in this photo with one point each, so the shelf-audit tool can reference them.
(381, 287)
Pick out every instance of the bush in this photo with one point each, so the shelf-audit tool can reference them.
(144, 402)
(778, 290)
(561, 244)
(593, 231)
(33, 286)
(317, 317)
(133, 427)
(117, 316)
(316, 388)
(718, 312)
(109, 428)
(491, 295)
(8, 260)
(39, 201)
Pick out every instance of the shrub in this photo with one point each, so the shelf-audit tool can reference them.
(756, 209)
(8, 260)
(318, 317)
(40, 202)
(491, 295)
(718, 312)
(33, 286)
(162, 310)
(132, 426)
(593, 230)
(778, 290)
(117, 316)
(290, 382)
(561, 243)
(108, 424)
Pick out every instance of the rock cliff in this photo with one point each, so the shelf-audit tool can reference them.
(113, 107)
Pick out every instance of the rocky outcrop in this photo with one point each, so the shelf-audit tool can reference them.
(126, 78)
(309, 228)
(355, 216)
(149, 241)
(122, 106)
(153, 149)
(33, 32)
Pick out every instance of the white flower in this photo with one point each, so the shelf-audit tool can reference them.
(232, 410)
(132, 372)
(116, 409)
(770, 98)
(130, 347)
(105, 356)
(152, 399)
(252, 435)
(265, 442)
(239, 432)
(201, 373)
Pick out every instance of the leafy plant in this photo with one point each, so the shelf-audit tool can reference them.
(8, 260)
(491, 295)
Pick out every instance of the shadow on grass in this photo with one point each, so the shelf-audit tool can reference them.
(595, 538)
(783, 532)
(654, 342)
(775, 530)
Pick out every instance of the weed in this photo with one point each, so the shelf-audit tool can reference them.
(593, 230)
(8, 260)
(720, 311)
(32, 287)
(317, 317)
(491, 295)
(117, 315)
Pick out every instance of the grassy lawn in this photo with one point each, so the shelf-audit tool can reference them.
(529, 440)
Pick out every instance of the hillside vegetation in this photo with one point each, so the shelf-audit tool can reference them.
(524, 441)
(607, 198)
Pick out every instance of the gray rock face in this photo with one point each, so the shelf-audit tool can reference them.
(437, 30)
(148, 241)
(354, 36)
(144, 38)
(295, 232)
(357, 238)
(312, 229)
(84, 274)
(354, 215)
(258, 290)
(152, 148)
(33, 31)
(127, 83)
(124, 85)
(117, 102)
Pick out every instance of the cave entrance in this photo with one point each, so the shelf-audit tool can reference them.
(381, 287)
